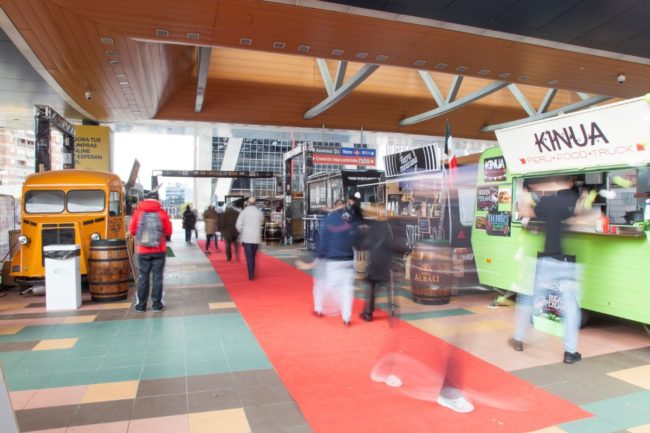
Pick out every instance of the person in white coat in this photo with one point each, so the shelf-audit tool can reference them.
(249, 226)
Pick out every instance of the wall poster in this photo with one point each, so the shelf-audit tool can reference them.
(487, 198)
(494, 169)
(498, 224)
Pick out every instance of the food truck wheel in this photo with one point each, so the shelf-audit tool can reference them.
(584, 318)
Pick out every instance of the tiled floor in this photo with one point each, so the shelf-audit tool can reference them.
(197, 367)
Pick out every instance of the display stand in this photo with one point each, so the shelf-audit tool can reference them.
(62, 277)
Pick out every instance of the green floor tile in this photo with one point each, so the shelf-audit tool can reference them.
(195, 368)
(167, 357)
(243, 351)
(69, 364)
(122, 361)
(590, 425)
(248, 363)
(69, 378)
(117, 375)
(630, 410)
(205, 354)
(21, 382)
(163, 371)
(32, 333)
(86, 352)
(8, 359)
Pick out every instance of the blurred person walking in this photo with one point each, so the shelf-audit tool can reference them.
(151, 227)
(249, 225)
(211, 220)
(379, 244)
(555, 271)
(189, 223)
(228, 223)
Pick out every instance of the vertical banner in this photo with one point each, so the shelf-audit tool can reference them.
(92, 147)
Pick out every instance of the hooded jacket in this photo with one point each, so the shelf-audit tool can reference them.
(151, 205)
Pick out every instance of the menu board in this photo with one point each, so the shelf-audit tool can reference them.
(494, 169)
(498, 224)
(487, 198)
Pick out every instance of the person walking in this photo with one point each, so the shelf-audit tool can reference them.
(189, 223)
(555, 271)
(337, 238)
(379, 244)
(151, 227)
(211, 220)
(249, 225)
(229, 233)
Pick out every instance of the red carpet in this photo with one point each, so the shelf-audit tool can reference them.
(326, 367)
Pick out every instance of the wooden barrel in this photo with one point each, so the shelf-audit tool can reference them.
(108, 270)
(272, 233)
(431, 274)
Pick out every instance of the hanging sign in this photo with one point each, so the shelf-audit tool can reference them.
(92, 147)
(420, 160)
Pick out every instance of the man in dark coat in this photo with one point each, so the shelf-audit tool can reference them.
(379, 244)
(228, 228)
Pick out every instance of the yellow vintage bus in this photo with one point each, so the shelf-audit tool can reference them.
(66, 207)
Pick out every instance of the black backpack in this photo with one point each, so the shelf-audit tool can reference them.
(149, 231)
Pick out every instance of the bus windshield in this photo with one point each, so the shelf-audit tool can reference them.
(44, 201)
(85, 201)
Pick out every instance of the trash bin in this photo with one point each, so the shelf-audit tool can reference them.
(62, 277)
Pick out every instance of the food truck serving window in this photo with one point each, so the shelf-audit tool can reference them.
(44, 201)
(86, 201)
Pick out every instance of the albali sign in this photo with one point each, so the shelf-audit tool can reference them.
(615, 134)
(420, 160)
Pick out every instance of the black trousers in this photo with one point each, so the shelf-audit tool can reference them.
(150, 265)
(228, 244)
(251, 251)
(208, 238)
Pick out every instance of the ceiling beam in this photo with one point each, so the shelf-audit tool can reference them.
(432, 87)
(341, 92)
(521, 98)
(562, 110)
(203, 61)
(325, 74)
(340, 74)
(446, 108)
(453, 89)
(546, 102)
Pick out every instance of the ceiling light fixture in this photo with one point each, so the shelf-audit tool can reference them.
(112, 53)
(361, 55)
(504, 75)
(419, 62)
(162, 33)
(304, 48)
(523, 77)
(553, 82)
(462, 69)
(381, 58)
(441, 66)
(483, 71)
(124, 83)
(193, 36)
(246, 41)
(120, 76)
(106, 40)
(279, 45)
(337, 52)
(114, 62)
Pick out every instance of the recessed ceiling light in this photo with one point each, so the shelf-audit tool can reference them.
(120, 76)
(504, 75)
(106, 40)
(382, 58)
(337, 52)
(114, 62)
(136, 112)
(441, 66)
(553, 82)
(483, 71)
(361, 55)
(279, 45)
(462, 69)
(193, 36)
(124, 83)
(162, 33)
(419, 62)
(112, 53)
(523, 77)
(245, 41)
(304, 48)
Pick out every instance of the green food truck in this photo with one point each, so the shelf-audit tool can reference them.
(606, 151)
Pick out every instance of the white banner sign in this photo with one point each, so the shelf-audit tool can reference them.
(615, 134)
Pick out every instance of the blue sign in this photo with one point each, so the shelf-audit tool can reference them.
(353, 151)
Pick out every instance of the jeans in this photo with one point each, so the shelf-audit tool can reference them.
(188, 235)
(150, 264)
(228, 243)
(564, 277)
(250, 250)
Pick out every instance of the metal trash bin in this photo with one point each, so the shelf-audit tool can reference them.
(62, 277)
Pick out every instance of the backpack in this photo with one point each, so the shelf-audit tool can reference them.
(149, 230)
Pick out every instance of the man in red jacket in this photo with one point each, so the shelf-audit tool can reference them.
(151, 227)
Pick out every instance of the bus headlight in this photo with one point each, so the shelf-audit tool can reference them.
(24, 240)
(95, 237)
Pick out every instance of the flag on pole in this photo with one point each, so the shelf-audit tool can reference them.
(449, 147)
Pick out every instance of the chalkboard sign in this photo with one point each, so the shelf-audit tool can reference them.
(424, 225)
(494, 169)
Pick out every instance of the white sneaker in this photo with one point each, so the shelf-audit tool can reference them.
(393, 381)
(459, 404)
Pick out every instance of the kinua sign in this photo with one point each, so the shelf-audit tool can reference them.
(615, 134)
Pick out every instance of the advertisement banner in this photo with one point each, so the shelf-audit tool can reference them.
(92, 147)
(487, 198)
(494, 169)
(615, 134)
(320, 158)
(419, 160)
(498, 224)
